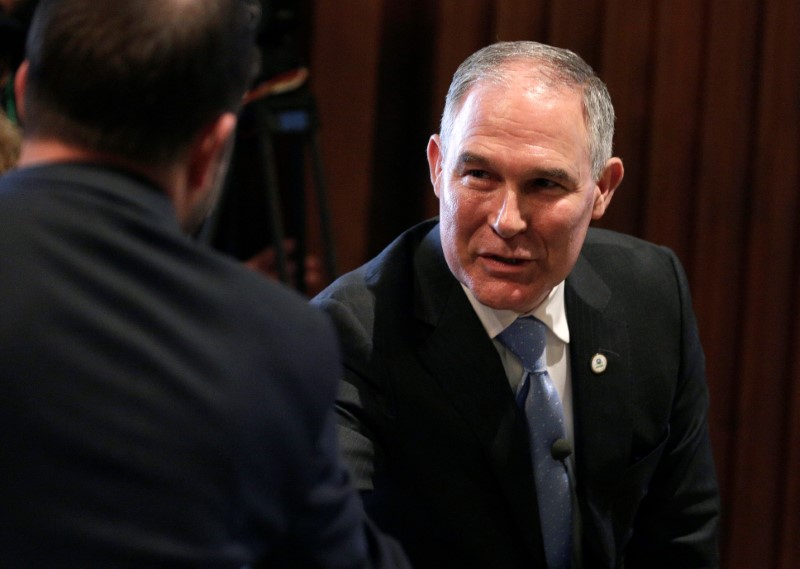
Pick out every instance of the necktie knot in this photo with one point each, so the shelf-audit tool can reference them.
(526, 338)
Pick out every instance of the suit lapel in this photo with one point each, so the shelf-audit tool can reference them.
(602, 414)
(459, 354)
(600, 400)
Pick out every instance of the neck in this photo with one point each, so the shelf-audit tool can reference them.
(48, 151)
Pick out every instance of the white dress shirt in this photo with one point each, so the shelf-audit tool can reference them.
(552, 312)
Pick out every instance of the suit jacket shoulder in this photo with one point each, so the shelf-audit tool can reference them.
(628, 301)
(172, 387)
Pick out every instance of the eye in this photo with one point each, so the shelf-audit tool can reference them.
(479, 174)
(544, 183)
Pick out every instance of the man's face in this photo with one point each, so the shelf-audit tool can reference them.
(515, 190)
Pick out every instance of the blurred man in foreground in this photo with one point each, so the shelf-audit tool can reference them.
(161, 405)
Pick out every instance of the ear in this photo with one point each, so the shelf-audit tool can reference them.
(203, 172)
(207, 152)
(605, 187)
(20, 85)
(435, 158)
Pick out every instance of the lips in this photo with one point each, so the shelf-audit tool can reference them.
(506, 260)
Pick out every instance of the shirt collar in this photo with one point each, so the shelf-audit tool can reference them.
(551, 311)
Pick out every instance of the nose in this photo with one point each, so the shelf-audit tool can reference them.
(508, 220)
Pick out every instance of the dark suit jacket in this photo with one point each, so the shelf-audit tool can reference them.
(160, 405)
(436, 443)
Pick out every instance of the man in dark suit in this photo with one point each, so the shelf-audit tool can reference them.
(161, 405)
(439, 447)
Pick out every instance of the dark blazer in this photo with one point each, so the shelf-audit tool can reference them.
(439, 449)
(161, 405)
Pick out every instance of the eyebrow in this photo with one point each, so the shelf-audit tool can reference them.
(470, 158)
(557, 174)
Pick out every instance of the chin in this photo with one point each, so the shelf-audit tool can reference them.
(508, 298)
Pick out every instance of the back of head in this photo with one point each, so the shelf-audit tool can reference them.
(138, 78)
(557, 67)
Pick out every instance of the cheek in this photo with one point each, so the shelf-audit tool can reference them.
(462, 217)
(563, 227)
(453, 209)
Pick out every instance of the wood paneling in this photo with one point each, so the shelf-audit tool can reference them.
(672, 157)
(344, 67)
(626, 68)
(399, 180)
(760, 487)
(790, 523)
(721, 200)
(707, 94)
(578, 25)
(520, 19)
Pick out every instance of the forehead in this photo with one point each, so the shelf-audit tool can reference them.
(523, 96)
(520, 115)
(522, 103)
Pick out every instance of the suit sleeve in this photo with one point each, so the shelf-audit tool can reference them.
(334, 531)
(677, 523)
(331, 529)
(359, 398)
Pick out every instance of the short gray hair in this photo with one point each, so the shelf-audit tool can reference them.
(560, 66)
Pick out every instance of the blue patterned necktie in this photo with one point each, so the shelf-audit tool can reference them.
(538, 397)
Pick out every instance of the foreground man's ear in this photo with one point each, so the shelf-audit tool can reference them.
(208, 150)
(205, 169)
(20, 84)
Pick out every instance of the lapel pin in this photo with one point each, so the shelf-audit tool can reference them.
(599, 363)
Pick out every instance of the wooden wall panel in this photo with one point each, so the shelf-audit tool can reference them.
(400, 181)
(760, 484)
(520, 19)
(721, 201)
(672, 157)
(344, 68)
(626, 68)
(790, 522)
(578, 25)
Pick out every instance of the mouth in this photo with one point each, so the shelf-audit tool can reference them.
(510, 261)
